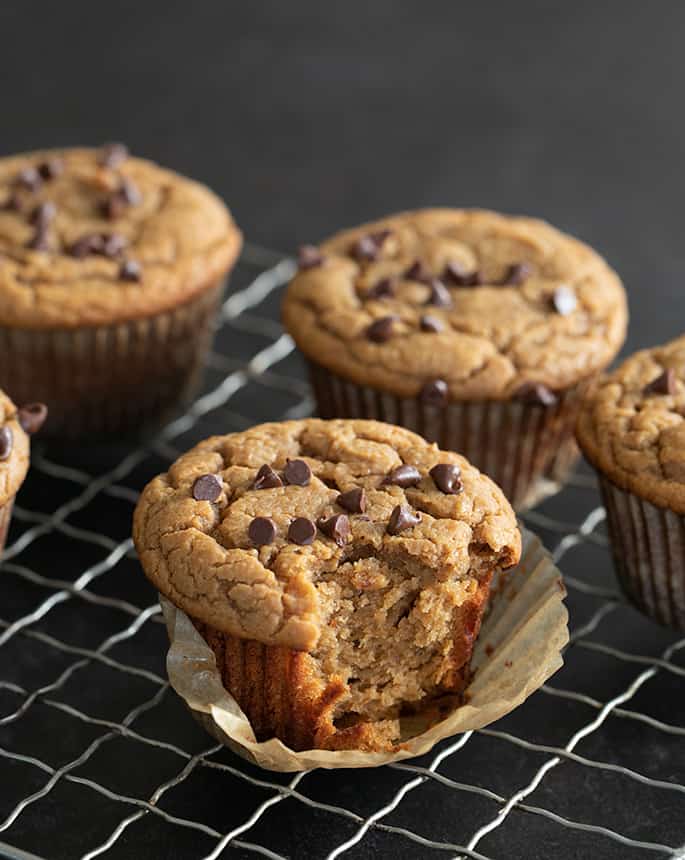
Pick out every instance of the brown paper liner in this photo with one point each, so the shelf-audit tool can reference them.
(518, 649)
(5, 518)
(648, 546)
(110, 379)
(527, 449)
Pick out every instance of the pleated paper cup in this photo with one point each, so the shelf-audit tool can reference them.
(111, 379)
(527, 449)
(648, 546)
(518, 649)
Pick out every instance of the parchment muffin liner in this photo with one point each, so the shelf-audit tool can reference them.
(648, 546)
(5, 519)
(518, 649)
(527, 449)
(111, 379)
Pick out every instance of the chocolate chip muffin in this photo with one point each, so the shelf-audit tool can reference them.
(632, 430)
(16, 425)
(111, 269)
(339, 570)
(480, 331)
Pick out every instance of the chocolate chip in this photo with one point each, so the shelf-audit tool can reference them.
(459, 276)
(51, 168)
(12, 202)
(432, 324)
(446, 477)
(353, 501)
(336, 527)
(6, 442)
(129, 191)
(43, 214)
(308, 257)
(403, 476)
(535, 394)
(383, 289)
(29, 178)
(302, 531)
(402, 518)
(564, 300)
(439, 294)
(113, 244)
(434, 393)
(91, 243)
(32, 416)
(368, 247)
(262, 531)
(113, 207)
(39, 240)
(380, 330)
(130, 270)
(297, 472)
(516, 274)
(418, 272)
(207, 488)
(266, 479)
(112, 155)
(664, 383)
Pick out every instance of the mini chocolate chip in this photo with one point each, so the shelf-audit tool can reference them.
(439, 294)
(12, 202)
(380, 330)
(207, 488)
(266, 479)
(434, 393)
(6, 442)
(432, 324)
(91, 243)
(383, 289)
(297, 472)
(516, 274)
(418, 272)
(113, 207)
(308, 257)
(32, 416)
(336, 527)
(51, 168)
(112, 155)
(564, 300)
(43, 214)
(353, 501)
(403, 476)
(39, 240)
(262, 531)
(535, 394)
(368, 247)
(459, 276)
(302, 531)
(402, 518)
(446, 477)
(113, 244)
(29, 178)
(130, 270)
(664, 383)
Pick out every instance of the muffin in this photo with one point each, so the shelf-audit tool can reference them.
(477, 330)
(339, 571)
(632, 430)
(111, 270)
(16, 425)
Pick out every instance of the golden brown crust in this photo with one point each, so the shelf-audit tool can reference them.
(179, 232)
(637, 437)
(495, 338)
(199, 554)
(12, 470)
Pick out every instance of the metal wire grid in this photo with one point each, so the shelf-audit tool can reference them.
(351, 832)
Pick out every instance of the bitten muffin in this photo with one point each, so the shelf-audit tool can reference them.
(477, 330)
(338, 569)
(632, 430)
(111, 270)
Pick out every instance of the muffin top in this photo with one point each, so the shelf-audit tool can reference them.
(14, 447)
(241, 528)
(632, 426)
(486, 305)
(91, 237)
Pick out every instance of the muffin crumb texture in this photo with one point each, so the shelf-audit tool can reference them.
(355, 598)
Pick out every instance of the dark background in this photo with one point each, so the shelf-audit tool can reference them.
(307, 117)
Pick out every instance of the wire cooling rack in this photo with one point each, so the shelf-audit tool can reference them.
(100, 759)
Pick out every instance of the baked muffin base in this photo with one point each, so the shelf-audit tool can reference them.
(111, 379)
(648, 547)
(528, 450)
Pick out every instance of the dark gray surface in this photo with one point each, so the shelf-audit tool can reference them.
(307, 117)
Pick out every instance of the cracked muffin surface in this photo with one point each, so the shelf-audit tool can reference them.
(632, 427)
(485, 302)
(94, 236)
